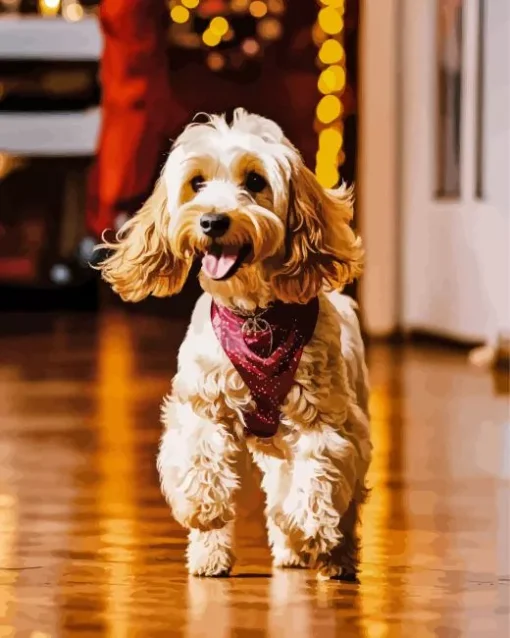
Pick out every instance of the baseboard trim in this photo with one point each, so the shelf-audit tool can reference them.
(424, 338)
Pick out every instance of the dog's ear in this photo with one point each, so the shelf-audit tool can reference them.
(140, 262)
(322, 249)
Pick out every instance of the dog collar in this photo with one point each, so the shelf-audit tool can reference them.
(265, 348)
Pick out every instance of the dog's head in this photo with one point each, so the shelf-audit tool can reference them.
(239, 197)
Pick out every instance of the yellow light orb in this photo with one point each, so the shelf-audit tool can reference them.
(329, 109)
(258, 9)
(327, 175)
(323, 159)
(335, 4)
(210, 38)
(49, 7)
(190, 4)
(219, 25)
(179, 14)
(330, 141)
(332, 80)
(331, 51)
(330, 21)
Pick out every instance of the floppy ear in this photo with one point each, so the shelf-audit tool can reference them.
(140, 262)
(322, 249)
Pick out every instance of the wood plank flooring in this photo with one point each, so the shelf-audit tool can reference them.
(88, 547)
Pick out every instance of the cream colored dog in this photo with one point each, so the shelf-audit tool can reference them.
(275, 248)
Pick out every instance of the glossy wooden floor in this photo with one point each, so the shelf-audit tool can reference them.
(88, 548)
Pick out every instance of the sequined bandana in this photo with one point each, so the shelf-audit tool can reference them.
(265, 348)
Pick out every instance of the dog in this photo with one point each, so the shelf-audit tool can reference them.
(273, 363)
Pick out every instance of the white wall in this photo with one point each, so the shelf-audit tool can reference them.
(423, 269)
(496, 175)
(377, 168)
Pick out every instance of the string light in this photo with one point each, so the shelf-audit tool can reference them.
(331, 20)
(180, 14)
(251, 47)
(219, 25)
(219, 30)
(72, 10)
(327, 35)
(331, 51)
(269, 29)
(49, 7)
(276, 6)
(332, 79)
(215, 61)
(258, 9)
(240, 5)
(210, 38)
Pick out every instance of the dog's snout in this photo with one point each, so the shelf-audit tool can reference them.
(214, 224)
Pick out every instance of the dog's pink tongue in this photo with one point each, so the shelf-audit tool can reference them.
(217, 266)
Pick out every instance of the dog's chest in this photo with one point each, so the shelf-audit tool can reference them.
(219, 392)
(265, 349)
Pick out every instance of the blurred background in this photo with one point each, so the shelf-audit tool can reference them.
(409, 100)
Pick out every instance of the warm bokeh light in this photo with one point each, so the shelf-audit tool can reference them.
(219, 26)
(335, 4)
(239, 5)
(331, 51)
(330, 140)
(49, 7)
(215, 61)
(190, 4)
(332, 80)
(73, 11)
(276, 6)
(180, 14)
(210, 38)
(327, 173)
(318, 35)
(250, 47)
(331, 83)
(329, 109)
(269, 29)
(330, 21)
(258, 9)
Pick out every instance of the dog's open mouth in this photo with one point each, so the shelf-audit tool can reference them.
(222, 262)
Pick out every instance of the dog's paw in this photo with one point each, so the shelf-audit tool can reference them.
(287, 559)
(310, 536)
(341, 564)
(335, 572)
(208, 555)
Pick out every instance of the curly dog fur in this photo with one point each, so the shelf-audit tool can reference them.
(301, 246)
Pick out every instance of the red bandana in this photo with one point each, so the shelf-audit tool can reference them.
(265, 349)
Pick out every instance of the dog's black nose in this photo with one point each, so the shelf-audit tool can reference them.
(214, 224)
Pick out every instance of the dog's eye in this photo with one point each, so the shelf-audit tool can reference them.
(197, 183)
(255, 182)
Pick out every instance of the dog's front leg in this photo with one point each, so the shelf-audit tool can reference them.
(324, 478)
(197, 464)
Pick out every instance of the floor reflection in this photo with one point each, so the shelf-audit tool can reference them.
(88, 547)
